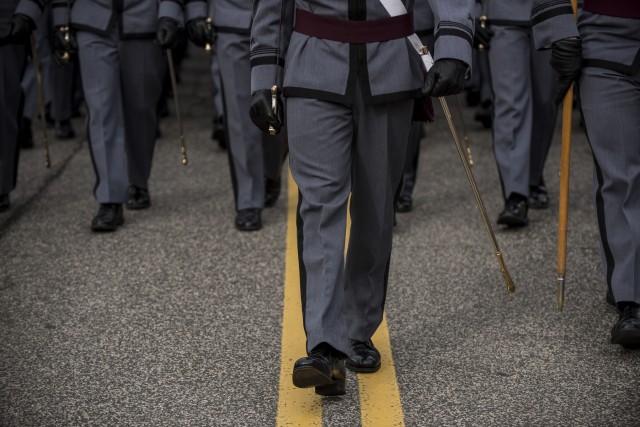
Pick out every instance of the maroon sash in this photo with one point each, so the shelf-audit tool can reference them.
(617, 8)
(347, 31)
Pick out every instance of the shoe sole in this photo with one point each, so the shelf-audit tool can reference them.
(511, 221)
(363, 369)
(628, 339)
(252, 228)
(403, 209)
(133, 207)
(100, 228)
(307, 376)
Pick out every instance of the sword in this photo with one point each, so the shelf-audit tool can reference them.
(174, 87)
(40, 96)
(563, 203)
(464, 132)
(511, 287)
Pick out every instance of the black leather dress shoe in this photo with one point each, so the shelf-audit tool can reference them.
(364, 357)
(515, 212)
(138, 198)
(109, 217)
(626, 331)
(271, 192)
(248, 220)
(538, 197)
(323, 369)
(5, 204)
(404, 204)
(64, 130)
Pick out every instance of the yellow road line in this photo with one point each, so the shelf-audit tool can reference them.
(296, 407)
(379, 393)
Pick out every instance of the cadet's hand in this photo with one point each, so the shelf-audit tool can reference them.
(20, 29)
(482, 37)
(199, 32)
(167, 33)
(566, 60)
(64, 44)
(446, 77)
(262, 114)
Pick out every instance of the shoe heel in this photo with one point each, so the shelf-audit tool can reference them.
(337, 388)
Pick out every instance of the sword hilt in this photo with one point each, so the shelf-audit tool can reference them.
(65, 31)
(207, 46)
(483, 24)
(274, 107)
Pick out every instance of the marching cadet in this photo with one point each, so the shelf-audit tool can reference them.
(525, 115)
(254, 159)
(349, 83)
(423, 23)
(14, 37)
(122, 81)
(605, 61)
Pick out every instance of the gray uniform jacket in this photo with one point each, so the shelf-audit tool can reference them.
(508, 12)
(423, 19)
(136, 19)
(310, 67)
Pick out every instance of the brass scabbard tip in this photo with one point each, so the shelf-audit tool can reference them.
(184, 161)
(65, 57)
(560, 294)
(207, 47)
(272, 131)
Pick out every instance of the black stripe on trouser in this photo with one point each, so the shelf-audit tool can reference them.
(232, 169)
(608, 255)
(303, 270)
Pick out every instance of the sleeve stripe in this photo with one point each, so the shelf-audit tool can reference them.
(541, 17)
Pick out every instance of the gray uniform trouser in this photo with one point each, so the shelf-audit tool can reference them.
(122, 80)
(29, 83)
(248, 147)
(525, 113)
(62, 87)
(12, 63)
(216, 86)
(611, 108)
(336, 150)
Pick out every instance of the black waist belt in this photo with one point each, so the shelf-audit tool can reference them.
(340, 30)
(618, 8)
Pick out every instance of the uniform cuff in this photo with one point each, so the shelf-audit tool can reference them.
(453, 47)
(262, 77)
(195, 9)
(30, 8)
(171, 9)
(551, 30)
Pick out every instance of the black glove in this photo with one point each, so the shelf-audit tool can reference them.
(20, 29)
(446, 77)
(64, 45)
(482, 37)
(262, 114)
(167, 33)
(199, 32)
(566, 60)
